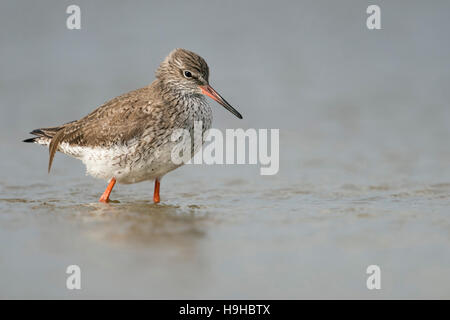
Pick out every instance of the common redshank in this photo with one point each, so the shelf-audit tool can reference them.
(128, 139)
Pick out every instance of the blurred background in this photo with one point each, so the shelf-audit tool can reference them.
(364, 121)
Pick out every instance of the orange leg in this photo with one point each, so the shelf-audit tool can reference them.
(105, 196)
(156, 193)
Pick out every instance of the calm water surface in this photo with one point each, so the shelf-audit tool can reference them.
(226, 232)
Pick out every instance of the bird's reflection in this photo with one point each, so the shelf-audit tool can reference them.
(143, 224)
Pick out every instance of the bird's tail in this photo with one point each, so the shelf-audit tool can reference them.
(43, 135)
(50, 137)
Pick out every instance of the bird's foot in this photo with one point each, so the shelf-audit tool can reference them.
(103, 200)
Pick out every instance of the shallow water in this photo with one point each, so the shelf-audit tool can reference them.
(218, 233)
(364, 161)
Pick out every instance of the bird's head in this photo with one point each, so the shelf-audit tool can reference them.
(186, 73)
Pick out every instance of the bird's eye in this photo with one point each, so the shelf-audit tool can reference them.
(187, 74)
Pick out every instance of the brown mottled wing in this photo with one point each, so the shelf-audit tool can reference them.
(116, 122)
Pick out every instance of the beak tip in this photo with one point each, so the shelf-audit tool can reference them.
(210, 92)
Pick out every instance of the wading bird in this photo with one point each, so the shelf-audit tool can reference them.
(128, 139)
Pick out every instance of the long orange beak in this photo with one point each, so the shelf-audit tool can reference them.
(210, 92)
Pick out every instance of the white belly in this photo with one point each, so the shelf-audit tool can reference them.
(138, 160)
(125, 163)
(119, 163)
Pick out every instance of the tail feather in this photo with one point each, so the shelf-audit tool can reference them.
(53, 146)
(46, 132)
(31, 140)
(43, 133)
(47, 136)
